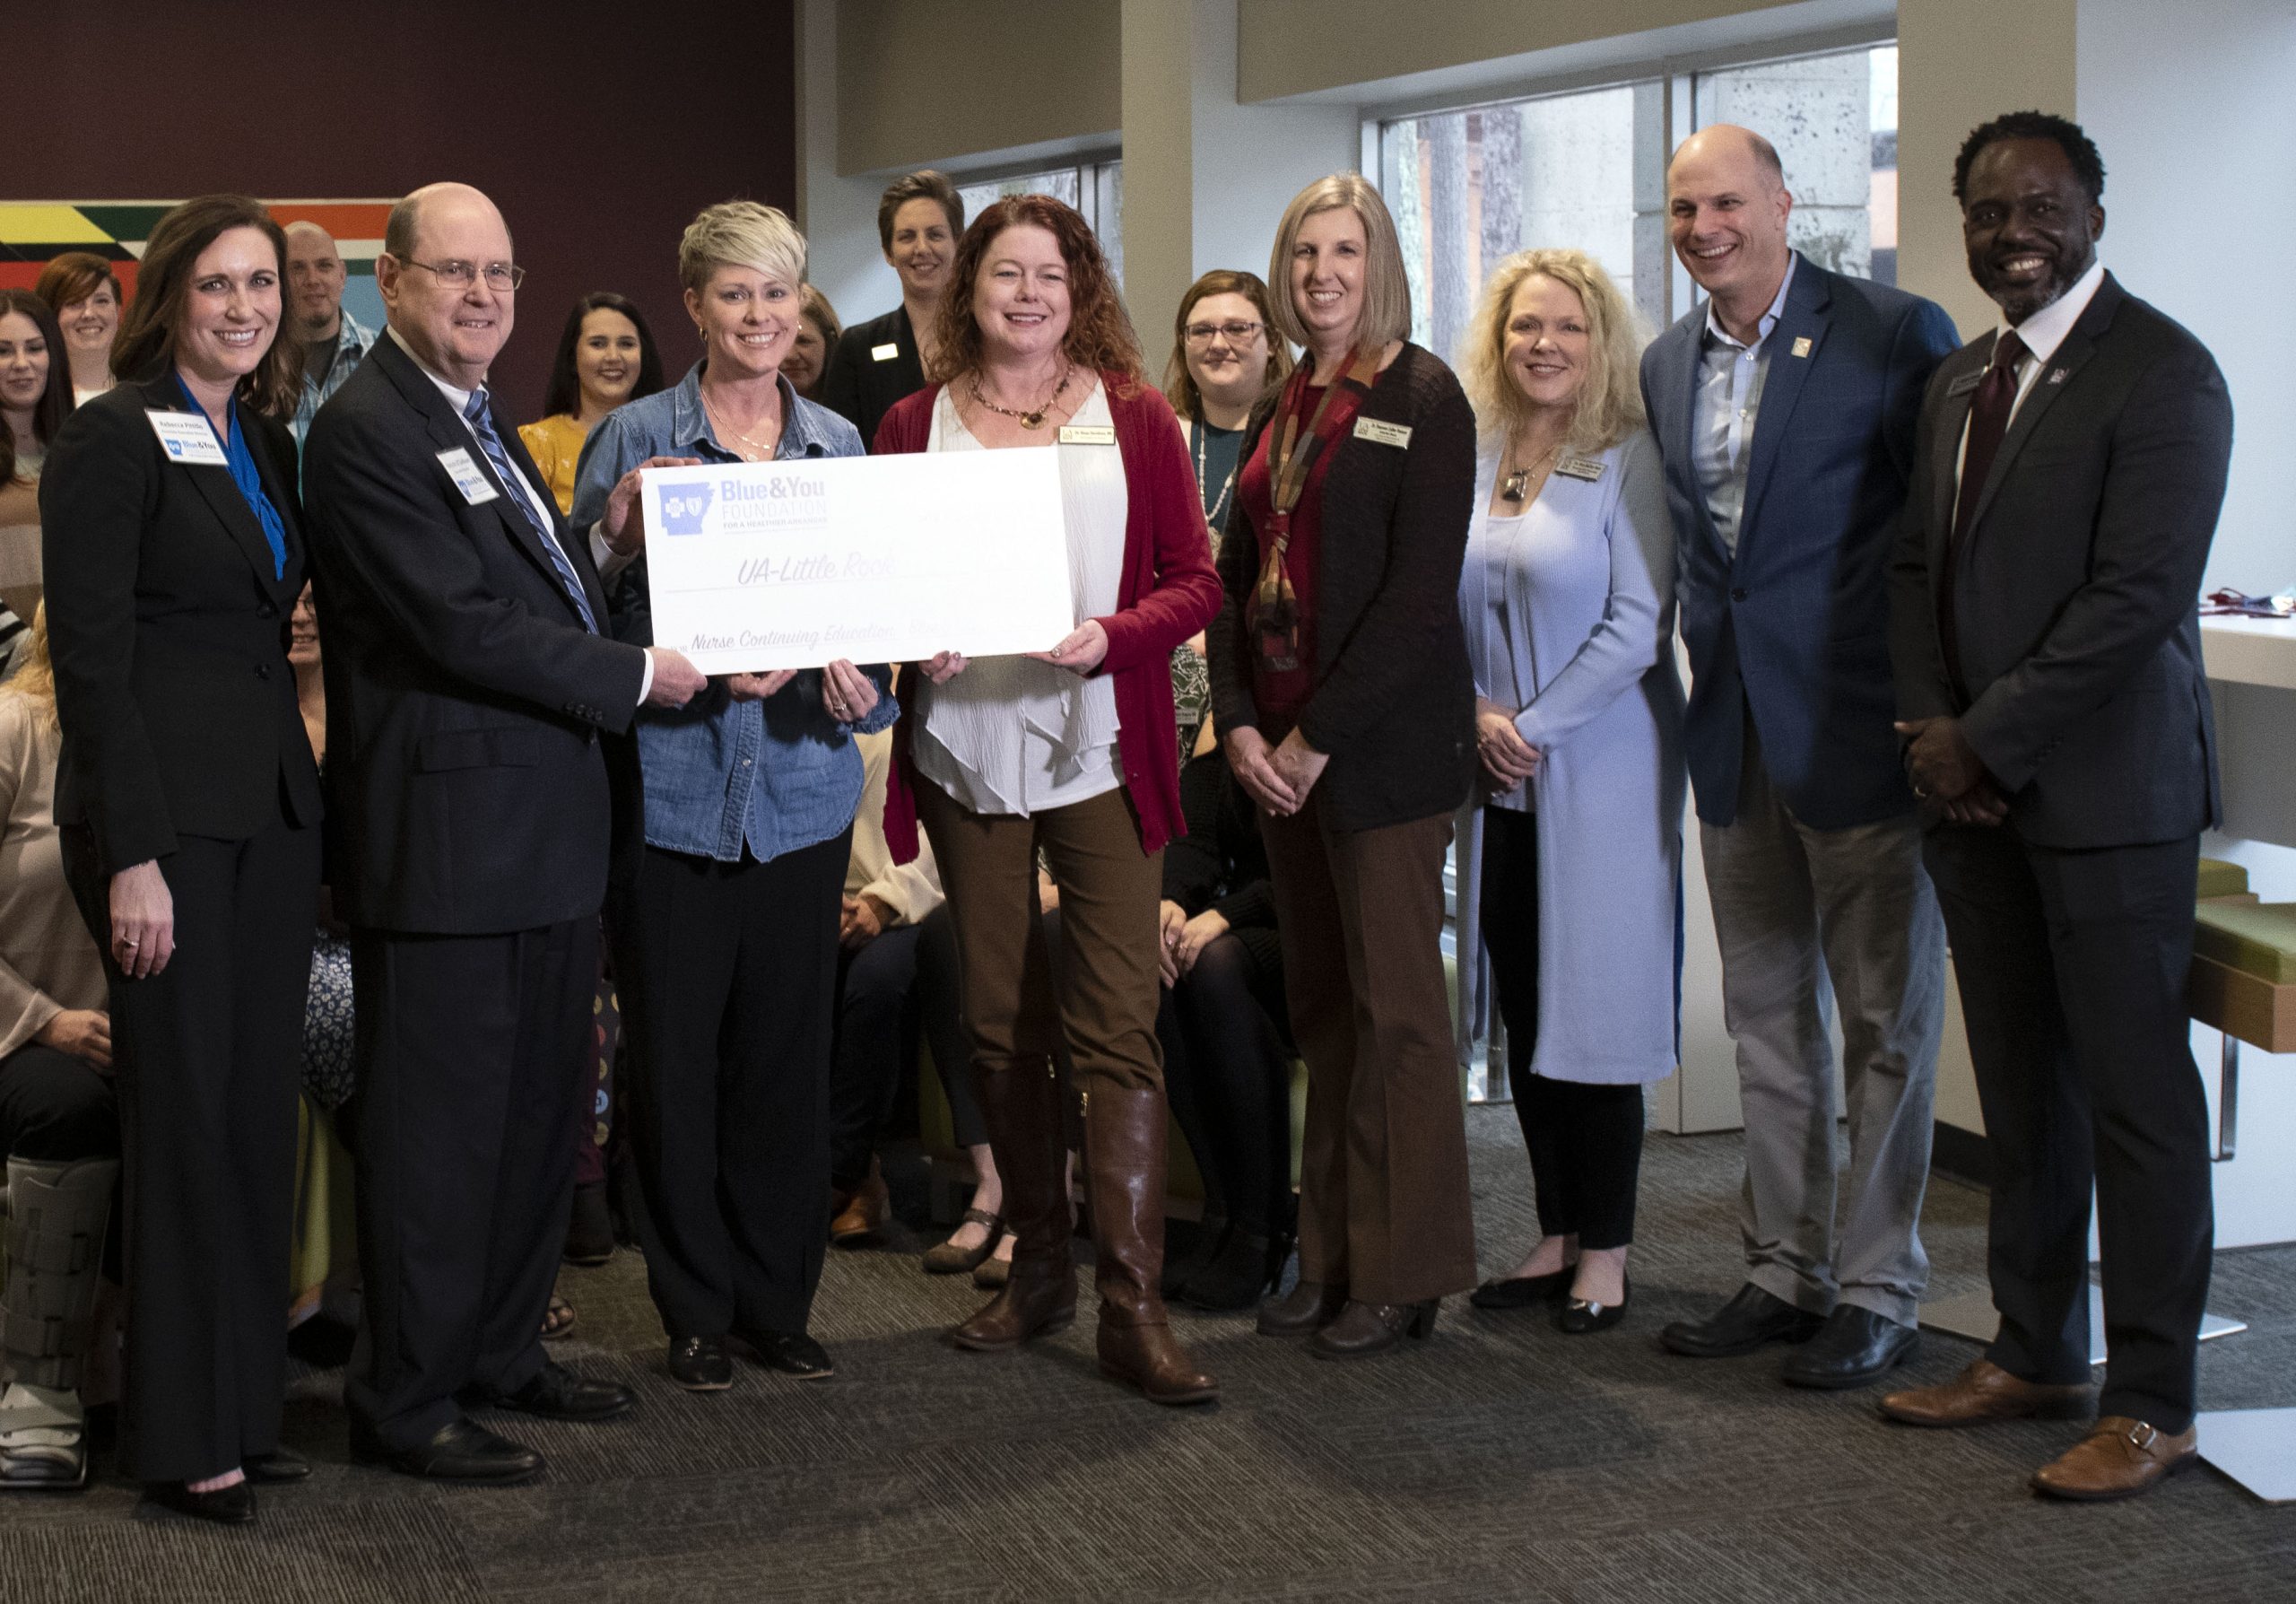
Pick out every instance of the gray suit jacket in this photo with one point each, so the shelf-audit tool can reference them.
(2075, 591)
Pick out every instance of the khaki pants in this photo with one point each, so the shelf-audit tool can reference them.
(1384, 1201)
(1104, 999)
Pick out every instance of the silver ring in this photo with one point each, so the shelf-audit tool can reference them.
(131, 943)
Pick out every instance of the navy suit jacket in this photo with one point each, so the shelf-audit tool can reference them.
(1795, 625)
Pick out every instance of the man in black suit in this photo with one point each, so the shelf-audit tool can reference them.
(2044, 632)
(478, 751)
(877, 363)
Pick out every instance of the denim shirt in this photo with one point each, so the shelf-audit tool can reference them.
(724, 776)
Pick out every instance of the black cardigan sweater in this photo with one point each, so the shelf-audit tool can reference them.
(1394, 700)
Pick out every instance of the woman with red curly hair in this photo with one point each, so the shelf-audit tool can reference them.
(1070, 753)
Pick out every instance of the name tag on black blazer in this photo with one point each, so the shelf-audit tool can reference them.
(1966, 383)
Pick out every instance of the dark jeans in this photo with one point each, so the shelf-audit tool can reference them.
(898, 987)
(1584, 1141)
(1228, 1072)
(727, 971)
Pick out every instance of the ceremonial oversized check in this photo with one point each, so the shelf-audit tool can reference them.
(762, 565)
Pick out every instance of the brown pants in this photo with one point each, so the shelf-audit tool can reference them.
(1104, 997)
(1384, 1202)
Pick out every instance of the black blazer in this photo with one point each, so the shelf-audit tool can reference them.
(1394, 703)
(478, 739)
(862, 386)
(169, 634)
(2075, 591)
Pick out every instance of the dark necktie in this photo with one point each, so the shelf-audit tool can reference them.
(481, 424)
(1996, 399)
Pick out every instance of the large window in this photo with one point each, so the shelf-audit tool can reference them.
(1095, 188)
(1587, 169)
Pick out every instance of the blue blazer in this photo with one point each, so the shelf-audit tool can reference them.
(1795, 627)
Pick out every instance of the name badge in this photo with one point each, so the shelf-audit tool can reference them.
(1801, 345)
(884, 353)
(1580, 467)
(186, 437)
(475, 485)
(1088, 434)
(1966, 383)
(1380, 432)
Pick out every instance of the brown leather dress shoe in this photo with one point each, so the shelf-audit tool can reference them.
(1363, 1330)
(1984, 1392)
(1308, 1307)
(864, 1212)
(2121, 1459)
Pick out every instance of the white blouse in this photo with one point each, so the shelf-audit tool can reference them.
(1011, 735)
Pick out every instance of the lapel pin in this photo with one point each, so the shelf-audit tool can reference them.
(1801, 345)
(2057, 375)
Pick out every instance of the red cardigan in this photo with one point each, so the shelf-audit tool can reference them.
(1168, 591)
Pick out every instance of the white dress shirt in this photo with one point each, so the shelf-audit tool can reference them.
(2042, 334)
(604, 557)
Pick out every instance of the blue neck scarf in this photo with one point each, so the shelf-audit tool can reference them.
(244, 474)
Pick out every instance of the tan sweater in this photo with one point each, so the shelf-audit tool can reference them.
(48, 962)
(909, 889)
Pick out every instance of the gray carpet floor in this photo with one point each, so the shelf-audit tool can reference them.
(1500, 1460)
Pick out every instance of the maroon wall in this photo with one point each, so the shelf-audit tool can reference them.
(599, 128)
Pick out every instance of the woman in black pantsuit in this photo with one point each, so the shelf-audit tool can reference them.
(189, 806)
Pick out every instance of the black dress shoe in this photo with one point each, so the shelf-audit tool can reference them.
(792, 1353)
(699, 1364)
(281, 1464)
(226, 1506)
(556, 1393)
(1237, 1276)
(1855, 1346)
(462, 1449)
(1742, 1325)
(1578, 1318)
(1523, 1292)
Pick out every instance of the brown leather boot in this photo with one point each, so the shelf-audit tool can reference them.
(1984, 1392)
(860, 1214)
(2119, 1459)
(1021, 1107)
(1124, 1157)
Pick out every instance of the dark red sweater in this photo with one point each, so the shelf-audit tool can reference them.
(1169, 591)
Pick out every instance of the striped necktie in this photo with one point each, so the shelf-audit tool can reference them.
(481, 423)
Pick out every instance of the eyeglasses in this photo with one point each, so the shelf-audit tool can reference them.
(1238, 333)
(462, 276)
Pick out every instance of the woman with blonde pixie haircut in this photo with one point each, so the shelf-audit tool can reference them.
(725, 948)
(1341, 691)
(1575, 844)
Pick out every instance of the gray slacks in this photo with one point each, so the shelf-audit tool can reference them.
(1794, 908)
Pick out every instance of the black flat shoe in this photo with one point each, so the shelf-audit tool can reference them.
(792, 1353)
(226, 1506)
(1523, 1292)
(556, 1393)
(1747, 1321)
(461, 1451)
(699, 1364)
(1363, 1330)
(1578, 1318)
(1236, 1276)
(1854, 1347)
(281, 1464)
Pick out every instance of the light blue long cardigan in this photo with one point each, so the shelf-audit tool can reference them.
(1588, 629)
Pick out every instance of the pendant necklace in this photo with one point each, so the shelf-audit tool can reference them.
(1027, 420)
(765, 448)
(1518, 483)
(1197, 432)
